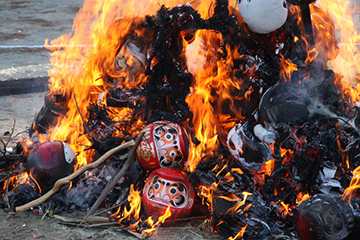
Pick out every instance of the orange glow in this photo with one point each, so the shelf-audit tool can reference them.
(240, 234)
(285, 208)
(70, 184)
(32, 178)
(287, 68)
(134, 199)
(83, 71)
(237, 209)
(347, 61)
(23, 178)
(161, 220)
(301, 197)
(354, 185)
(269, 166)
(207, 192)
(237, 170)
(211, 75)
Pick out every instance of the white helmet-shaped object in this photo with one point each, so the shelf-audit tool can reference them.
(263, 16)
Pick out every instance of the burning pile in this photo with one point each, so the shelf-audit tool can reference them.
(248, 115)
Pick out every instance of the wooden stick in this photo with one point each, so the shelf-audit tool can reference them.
(67, 179)
(110, 185)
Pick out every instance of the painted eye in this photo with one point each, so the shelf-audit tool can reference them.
(172, 154)
(157, 186)
(173, 190)
(168, 136)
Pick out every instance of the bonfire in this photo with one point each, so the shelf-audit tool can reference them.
(241, 114)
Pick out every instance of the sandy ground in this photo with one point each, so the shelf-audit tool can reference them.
(17, 115)
(27, 226)
(24, 26)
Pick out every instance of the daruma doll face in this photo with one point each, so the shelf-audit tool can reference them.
(168, 187)
(164, 144)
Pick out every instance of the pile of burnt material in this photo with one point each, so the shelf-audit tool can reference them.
(281, 171)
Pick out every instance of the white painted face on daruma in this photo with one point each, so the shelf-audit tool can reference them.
(263, 16)
(168, 145)
(165, 191)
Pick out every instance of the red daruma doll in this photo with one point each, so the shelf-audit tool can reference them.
(168, 186)
(164, 144)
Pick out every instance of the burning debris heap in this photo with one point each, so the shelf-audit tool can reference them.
(271, 151)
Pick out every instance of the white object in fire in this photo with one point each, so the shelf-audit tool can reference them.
(263, 16)
(249, 151)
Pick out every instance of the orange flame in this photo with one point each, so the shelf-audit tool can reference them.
(354, 185)
(240, 234)
(301, 197)
(213, 84)
(347, 61)
(236, 208)
(23, 178)
(285, 207)
(134, 199)
(287, 68)
(161, 220)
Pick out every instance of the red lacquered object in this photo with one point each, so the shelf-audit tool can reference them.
(168, 186)
(49, 161)
(164, 144)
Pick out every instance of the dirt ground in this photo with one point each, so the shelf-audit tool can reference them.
(24, 26)
(18, 111)
(27, 226)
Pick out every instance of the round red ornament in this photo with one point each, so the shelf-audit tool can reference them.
(49, 161)
(164, 144)
(168, 186)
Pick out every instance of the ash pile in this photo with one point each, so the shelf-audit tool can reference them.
(287, 150)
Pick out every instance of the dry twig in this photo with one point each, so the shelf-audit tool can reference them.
(7, 143)
(110, 185)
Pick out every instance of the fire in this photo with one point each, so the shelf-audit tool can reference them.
(33, 180)
(301, 197)
(354, 185)
(88, 60)
(161, 220)
(346, 62)
(236, 208)
(23, 178)
(133, 212)
(211, 74)
(286, 208)
(84, 59)
(287, 68)
(240, 234)
(134, 199)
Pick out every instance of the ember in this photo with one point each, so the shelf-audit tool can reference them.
(260, 120)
